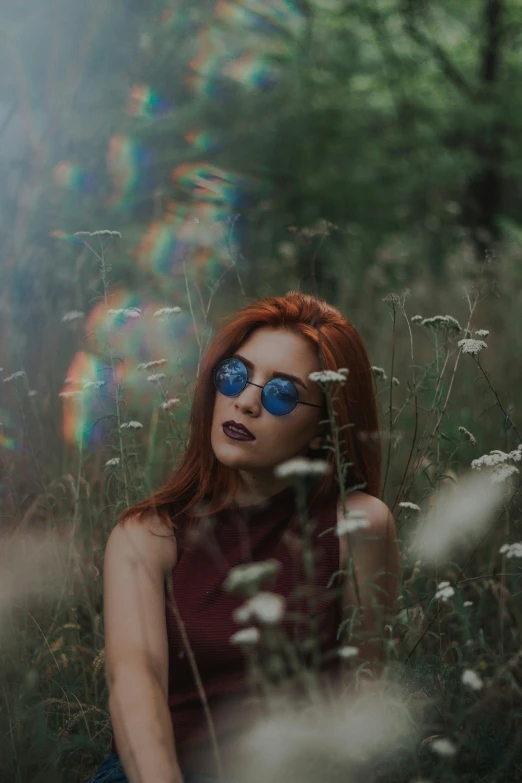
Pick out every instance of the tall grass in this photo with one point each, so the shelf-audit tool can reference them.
(446, 704)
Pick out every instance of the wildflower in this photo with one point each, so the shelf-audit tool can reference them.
(502, 473)
(347, 651)
(103, 232)
(496, 457)
(127, 312)
(15, 376)
(245, 636)
(148, 365)
(32, 393)
(472, 679)
(166, 311)
(445, 591)
(442, 322)
(416, 318)
(444, 747)
(355, 520)
(156, 377)
(250, 576)
(135, 425)
(482, 332)
(379, 373)
(471, 346)
(73, 315)
(329, 376)
(468, 603)
(113, 461)
(170, 403)
(512, 550)
(302, 466)
(94, 384)
(68, 394)
(395, 382)
(472, 439)
(407, 504)
(266, 607)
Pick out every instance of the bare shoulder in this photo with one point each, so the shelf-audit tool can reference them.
(376, 511)
(149, 538)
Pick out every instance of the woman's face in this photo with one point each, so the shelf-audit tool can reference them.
(277, 438)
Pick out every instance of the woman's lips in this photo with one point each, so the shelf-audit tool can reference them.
(235, 434)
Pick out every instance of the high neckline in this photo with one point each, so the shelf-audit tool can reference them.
(284, 496)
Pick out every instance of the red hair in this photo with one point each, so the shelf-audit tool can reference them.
(201, 484)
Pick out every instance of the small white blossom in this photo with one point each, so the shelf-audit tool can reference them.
(395, 381)
(103, 232)
(442, 322)
(482, 332)
(68, 394)
(379, 373)
(502, 473)
(134, 425)
(512, 550)
(170, 403)
(445, 591)
(407, 504)
(471, 346)
(472, 679)
(496, 457)
(113, 461)
(73, 315)
(166, 311)
(416, 318)
(246, 636)
(250, 575)
(467, 603)
(355, 520)
(467, 434)
(127, 312)
(329, 376)
(32, 393)
(347, 651)
(148, 365)
(156, 377)
(302, 466)
(444, 747)
(266, 607)
(15, 376)
(94, 384)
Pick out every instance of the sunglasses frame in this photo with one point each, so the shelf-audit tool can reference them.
(251, 383)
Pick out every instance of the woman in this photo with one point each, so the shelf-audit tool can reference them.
(180, 697)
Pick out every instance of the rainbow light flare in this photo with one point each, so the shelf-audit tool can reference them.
(72, 177)
(8, 441)
(145, 103)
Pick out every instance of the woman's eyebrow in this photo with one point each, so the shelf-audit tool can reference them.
(294, 378)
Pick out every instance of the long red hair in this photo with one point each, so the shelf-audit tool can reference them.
(201, 485)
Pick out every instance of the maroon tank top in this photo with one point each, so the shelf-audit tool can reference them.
(233, 537)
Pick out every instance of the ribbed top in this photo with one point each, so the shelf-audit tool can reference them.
(235, 536)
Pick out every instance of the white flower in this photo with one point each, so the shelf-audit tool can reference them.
(266, 607)
(407, 504)
(416, 318)
(468, 603)
(166, 311)
(329, 376)
(68, 394)
(302, 466)
(73, 315)
(445, 591)
(148, 365)
(94, 384)
(135, 425)
(444, 747)
(103, 232)
(395, 382)
(32, 393)
(156, 377)
(442, 322)
(113, 461)
(347, 651)
(496, 457)
(250, 575)
(355, 520)
(512, 550)
(471, 346)
(472, 679)
(379, 373)
(472, 439)
(14, 376)
(170, 403)
(127, 312)
(246, 636)
(482, 332)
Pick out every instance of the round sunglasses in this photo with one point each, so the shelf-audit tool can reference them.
(279, 396)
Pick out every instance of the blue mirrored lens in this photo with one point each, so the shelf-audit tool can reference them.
(279, 396)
